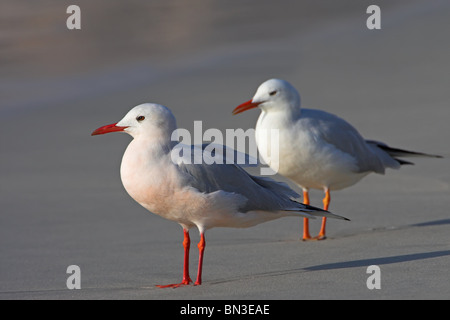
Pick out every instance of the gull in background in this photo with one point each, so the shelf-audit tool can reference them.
(317, 150)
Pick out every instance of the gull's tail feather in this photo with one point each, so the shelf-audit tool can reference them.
(397, 153)
(315, 211)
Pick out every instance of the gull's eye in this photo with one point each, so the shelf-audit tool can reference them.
(140, 118)
(274, 92)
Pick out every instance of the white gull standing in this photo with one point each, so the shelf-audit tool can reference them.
(317, 149)
(200, 195)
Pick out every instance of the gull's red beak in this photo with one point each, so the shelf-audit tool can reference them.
(107, 129)
(245, 106)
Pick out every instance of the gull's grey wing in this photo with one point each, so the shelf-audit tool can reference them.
(212, 153)
(343, 136)
(261, 193)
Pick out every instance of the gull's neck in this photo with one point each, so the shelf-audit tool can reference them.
(280, 116)
(145, 163)
(152, 148)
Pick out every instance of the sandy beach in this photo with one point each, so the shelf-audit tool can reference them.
(61, 196)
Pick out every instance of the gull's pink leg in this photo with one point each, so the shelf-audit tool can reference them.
(186, 279)
(201, 250)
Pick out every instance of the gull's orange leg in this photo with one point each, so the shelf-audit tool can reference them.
(186, 279)
(326, 204)
(201, 250)
(306, 235)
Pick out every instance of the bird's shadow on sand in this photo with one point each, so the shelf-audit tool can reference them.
(364, 262)
(388, 260)
(431, 223)
(344, 264)
(379, 261)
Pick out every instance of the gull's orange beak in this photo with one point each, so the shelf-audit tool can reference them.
(107, 129)
(245, 106)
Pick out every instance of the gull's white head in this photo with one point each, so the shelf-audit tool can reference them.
(273, 95)
(146, 119)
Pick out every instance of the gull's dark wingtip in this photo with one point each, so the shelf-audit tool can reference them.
(315, 211)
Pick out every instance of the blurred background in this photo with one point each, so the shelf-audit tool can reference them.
(60, 192)
(129, 43)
